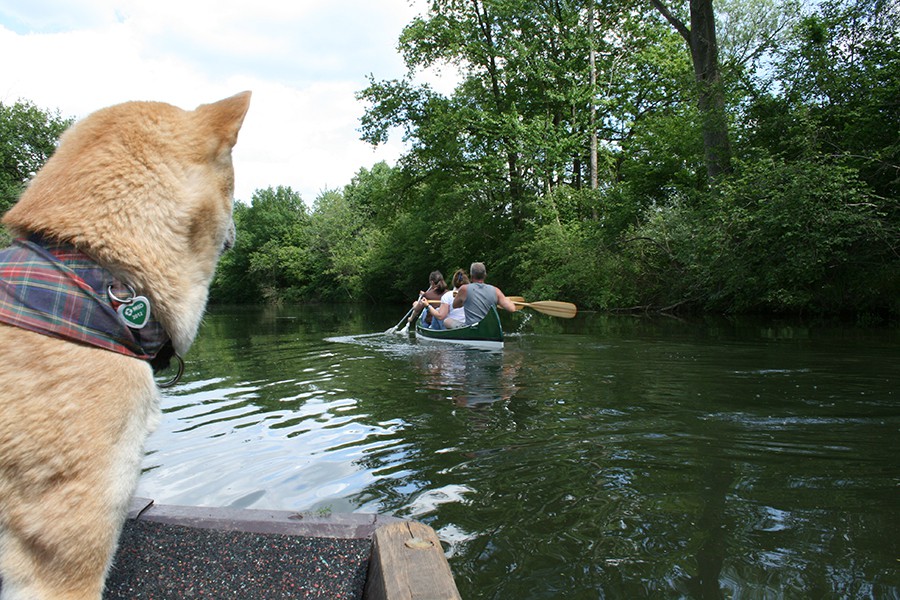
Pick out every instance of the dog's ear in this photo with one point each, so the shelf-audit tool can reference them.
(225, 117)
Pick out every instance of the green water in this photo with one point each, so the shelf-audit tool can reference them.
(601, 457)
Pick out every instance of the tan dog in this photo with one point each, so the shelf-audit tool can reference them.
(145, 190)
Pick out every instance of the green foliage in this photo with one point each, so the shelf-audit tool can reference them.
(28, 136)
(779, 237)
(841, 74)
(271, 252)
(342, 242)
(286, 253)
(803, 235)
(375, 193)
(400, 260)
(565, 261)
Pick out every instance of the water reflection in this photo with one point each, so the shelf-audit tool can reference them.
(468, 377)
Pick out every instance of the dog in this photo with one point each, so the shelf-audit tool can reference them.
(129, 216)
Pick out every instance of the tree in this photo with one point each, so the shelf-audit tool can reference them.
(518, 123)
(28, 136)
(341, 241)
(271, 252)
(700, 37)
(376, 193)
(841, 76)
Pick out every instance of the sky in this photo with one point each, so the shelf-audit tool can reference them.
(304, 60)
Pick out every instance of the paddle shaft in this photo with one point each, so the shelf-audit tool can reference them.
(513, 299)
(405, 317)
(554, 308)
(409, 312)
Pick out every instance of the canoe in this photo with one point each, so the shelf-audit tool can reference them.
(171, 552)
(486, 334)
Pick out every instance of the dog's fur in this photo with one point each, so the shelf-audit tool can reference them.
(145, 189)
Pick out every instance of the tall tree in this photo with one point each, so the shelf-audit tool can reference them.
(700, 37)
(518, 125)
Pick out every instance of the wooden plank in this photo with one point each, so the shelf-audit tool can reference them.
(408, 563)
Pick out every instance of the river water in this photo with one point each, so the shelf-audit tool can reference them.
(598, 457)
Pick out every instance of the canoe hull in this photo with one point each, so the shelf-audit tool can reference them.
(486, 334)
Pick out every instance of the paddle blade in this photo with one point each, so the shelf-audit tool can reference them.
(554, 308)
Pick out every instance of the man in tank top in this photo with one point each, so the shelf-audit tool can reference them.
(478, 297)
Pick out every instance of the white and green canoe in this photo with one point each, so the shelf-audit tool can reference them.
(488, 333)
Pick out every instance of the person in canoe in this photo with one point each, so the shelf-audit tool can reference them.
(444, 312)
(478, 297)
(434, 292)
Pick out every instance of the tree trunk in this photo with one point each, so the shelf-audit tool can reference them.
(711, 97)
(701, 41)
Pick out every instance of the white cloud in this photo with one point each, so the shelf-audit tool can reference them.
(303, 60)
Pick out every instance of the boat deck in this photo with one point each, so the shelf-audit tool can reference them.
(174, 552)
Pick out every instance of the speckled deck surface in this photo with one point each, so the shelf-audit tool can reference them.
(161, 561)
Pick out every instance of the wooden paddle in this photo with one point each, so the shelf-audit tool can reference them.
(520, 299)
(396, 329)
(554, 308)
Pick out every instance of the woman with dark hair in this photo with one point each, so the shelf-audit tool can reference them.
(435, 290)
(449, 316)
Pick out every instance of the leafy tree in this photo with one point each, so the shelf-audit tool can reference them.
(28, 136)
(342, 242)
(839, 82)
(271, 253)
(377, 193)
(517, 125)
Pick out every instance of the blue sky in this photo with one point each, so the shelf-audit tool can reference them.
(303, 60)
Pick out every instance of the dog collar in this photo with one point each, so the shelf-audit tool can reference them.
(54, 289)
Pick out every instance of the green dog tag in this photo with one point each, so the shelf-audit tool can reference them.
(136, 313)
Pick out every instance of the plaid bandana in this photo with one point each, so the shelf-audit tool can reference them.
(54, 289)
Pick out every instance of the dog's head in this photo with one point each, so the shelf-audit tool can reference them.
(146, 189)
